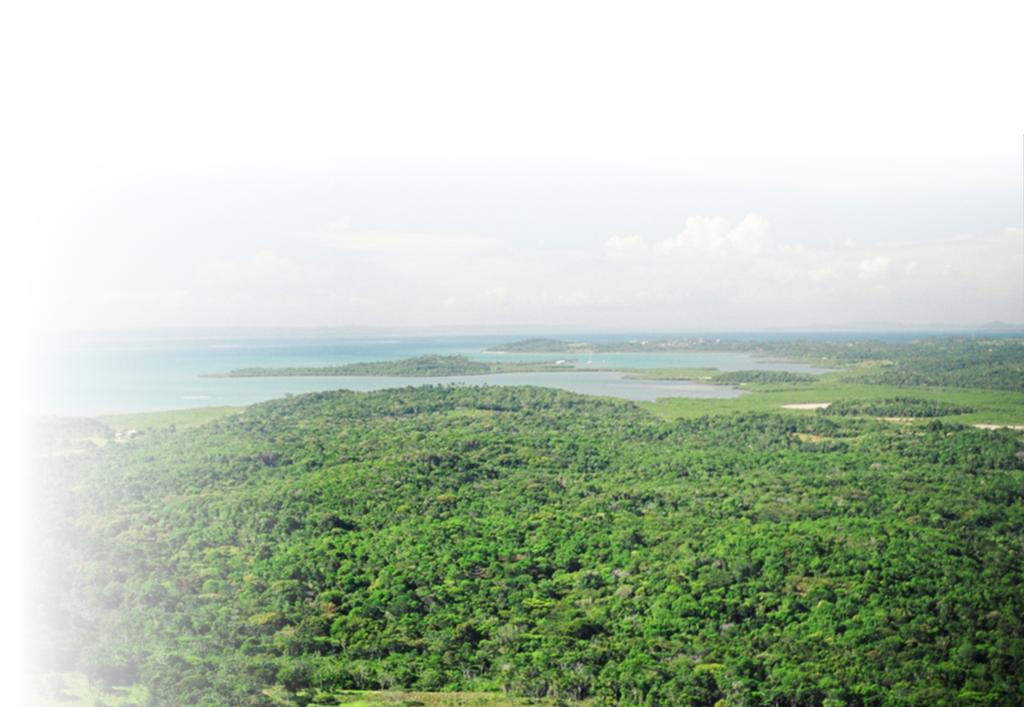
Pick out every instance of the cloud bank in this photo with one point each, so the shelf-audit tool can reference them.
(751, 277)
(714, 273)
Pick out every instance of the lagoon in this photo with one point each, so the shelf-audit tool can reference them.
(108, 374)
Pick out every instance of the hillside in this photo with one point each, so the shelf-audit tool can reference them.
(540, 543)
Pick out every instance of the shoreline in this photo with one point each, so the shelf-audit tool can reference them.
(611, 383)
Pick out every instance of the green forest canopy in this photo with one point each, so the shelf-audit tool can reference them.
(538, 542)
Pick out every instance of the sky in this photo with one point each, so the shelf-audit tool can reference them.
(584, 166)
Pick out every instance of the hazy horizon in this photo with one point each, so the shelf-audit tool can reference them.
(442, 331)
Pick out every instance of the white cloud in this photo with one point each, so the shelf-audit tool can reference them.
(700, 235)
(625, 246)
(718, 235)
(873, 268)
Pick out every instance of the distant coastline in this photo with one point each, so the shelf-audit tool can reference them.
(428, 366)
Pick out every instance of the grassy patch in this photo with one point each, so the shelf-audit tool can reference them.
(63, 689)
(191, 417)
(993, 406)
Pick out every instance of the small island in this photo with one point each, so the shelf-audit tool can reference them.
(428, 366)
(540, 345)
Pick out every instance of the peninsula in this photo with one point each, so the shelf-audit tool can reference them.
(428, 366)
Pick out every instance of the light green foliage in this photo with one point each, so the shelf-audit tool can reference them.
(986, 406)
(68, 435)
(181, 419)
(63, 689)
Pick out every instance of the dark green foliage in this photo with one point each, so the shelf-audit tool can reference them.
(543, 543)
(895, 407)
(739, 377)
(995, 364)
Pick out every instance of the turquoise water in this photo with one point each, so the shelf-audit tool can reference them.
(134, 373)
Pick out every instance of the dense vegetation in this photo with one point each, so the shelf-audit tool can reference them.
(713, 375)
(430, 365)
(955, 362)
(542, 543)
(958, 362)
(741, 377)
(895, 407)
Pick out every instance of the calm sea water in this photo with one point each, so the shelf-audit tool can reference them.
(104, 374)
